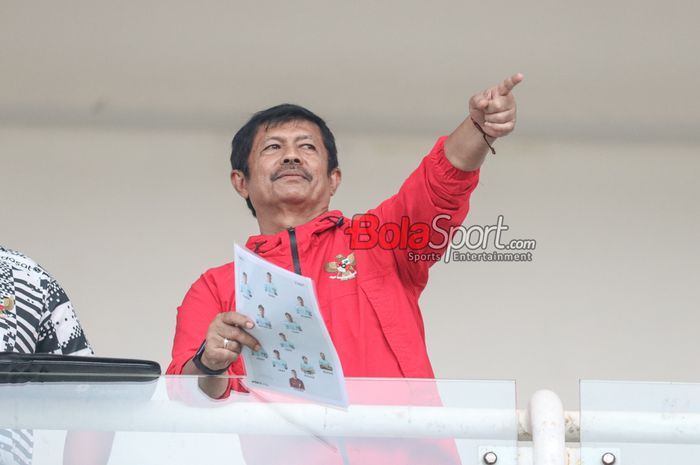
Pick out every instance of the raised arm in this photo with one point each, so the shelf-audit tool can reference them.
(441, 185)
(492, 110)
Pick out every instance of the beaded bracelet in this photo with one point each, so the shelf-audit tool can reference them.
(483, 133)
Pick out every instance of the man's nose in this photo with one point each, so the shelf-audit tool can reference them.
(291, 157)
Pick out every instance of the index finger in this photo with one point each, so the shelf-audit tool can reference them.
(507, 85)
(237, 319)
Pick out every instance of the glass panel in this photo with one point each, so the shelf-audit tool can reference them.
(170, 420)
(640, 423)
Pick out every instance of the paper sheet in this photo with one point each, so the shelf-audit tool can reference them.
(297, 355)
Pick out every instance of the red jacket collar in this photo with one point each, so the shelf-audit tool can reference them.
(263, 245)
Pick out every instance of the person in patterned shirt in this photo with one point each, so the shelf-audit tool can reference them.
(36, 316)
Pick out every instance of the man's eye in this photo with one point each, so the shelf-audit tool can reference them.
(309, 146)
(272, 147)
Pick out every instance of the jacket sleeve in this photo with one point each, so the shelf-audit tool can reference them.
(435, 188)
(60, 331)
(198, 309)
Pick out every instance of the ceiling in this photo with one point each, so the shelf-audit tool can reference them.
(597, 69)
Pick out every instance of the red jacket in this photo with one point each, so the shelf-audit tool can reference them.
(374, 319)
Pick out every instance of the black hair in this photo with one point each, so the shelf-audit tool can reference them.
(242, 142)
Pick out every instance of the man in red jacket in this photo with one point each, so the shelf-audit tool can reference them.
(285, 166)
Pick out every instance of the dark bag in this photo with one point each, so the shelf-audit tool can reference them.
(24, 368)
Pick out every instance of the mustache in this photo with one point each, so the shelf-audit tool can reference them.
(296, 169)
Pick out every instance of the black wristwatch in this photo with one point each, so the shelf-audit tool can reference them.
(197, 360)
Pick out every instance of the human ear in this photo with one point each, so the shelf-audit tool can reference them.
(335, 178)
(240, 183)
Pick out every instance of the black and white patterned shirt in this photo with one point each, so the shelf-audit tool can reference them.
(35, 317)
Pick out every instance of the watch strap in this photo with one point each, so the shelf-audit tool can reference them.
(197, 360)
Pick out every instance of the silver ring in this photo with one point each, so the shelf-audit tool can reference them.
(226, 341)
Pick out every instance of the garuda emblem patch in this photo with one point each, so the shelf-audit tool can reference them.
(343, 267)
(6, 304)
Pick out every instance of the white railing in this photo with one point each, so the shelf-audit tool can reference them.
(544, 429)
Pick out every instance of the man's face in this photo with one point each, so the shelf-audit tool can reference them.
(288, 166)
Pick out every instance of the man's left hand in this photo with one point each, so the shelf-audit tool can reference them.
(494, 111)
(494, 108)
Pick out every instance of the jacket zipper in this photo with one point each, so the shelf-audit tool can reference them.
(295, 250)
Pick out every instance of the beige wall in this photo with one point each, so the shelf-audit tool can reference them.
(128, 219)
